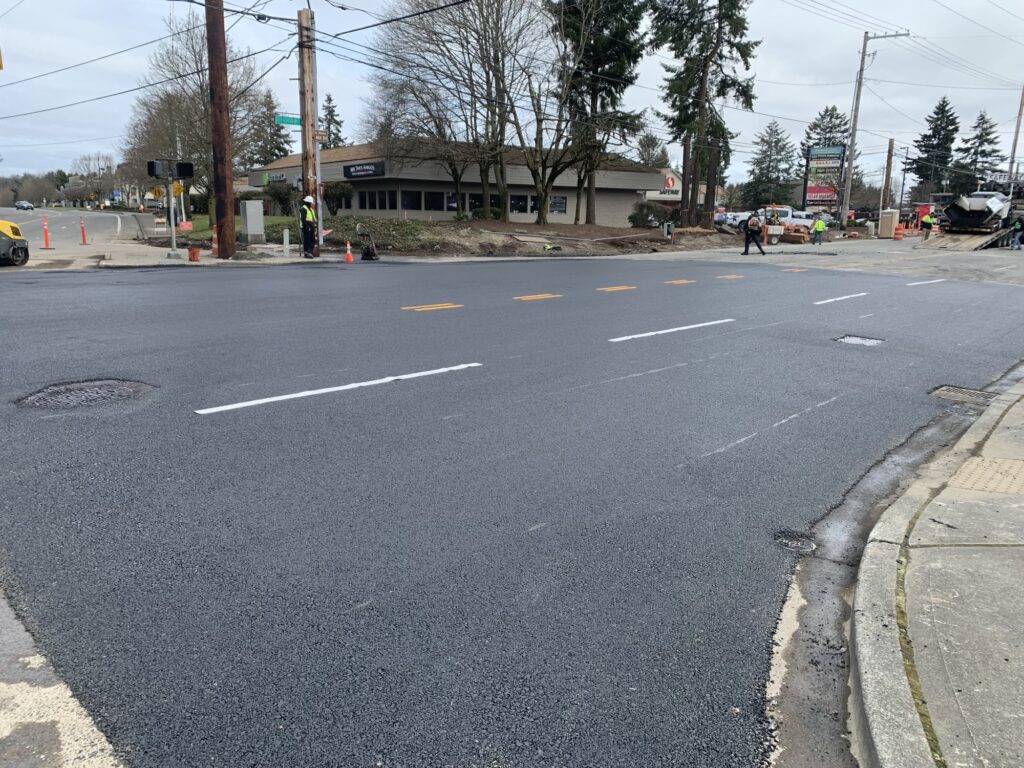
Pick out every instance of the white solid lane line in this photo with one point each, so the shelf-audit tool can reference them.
(840, 298)
(328, 390)
(672, 330)
(929, 282)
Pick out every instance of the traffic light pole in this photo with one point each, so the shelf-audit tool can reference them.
(171, 219)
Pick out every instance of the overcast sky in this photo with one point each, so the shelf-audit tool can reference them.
(807, 59)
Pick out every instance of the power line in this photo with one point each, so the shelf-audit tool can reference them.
(890, 106)
(100, 58)
(59, 143)
(11, 8)
(973, 21)
(400, 18)
(137, 88)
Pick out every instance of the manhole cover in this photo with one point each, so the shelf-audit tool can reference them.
(796, 541)
(962, 395)
(81, 394)
(864, 341)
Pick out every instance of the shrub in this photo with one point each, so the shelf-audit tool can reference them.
(646, 214)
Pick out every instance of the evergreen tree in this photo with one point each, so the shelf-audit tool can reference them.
(831, 128)
(980, 153)
(269, 141)
(331, 123)
(935, 146)
(652, 151)
(606, 43)
(709, 38)
(773, 168)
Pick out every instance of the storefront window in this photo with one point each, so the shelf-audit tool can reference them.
(451, 201)
(518, 203)
(433, 201)
(412, 200)
(382, 200)
(558, 204)
(393, 199)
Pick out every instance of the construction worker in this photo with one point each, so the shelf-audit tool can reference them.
(818, 229)
(927, 222)
(309, 230)
(1017, 230)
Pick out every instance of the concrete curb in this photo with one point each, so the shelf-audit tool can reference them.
(884, 718)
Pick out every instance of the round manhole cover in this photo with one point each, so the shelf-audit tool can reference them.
(796, 541)
(81, 394)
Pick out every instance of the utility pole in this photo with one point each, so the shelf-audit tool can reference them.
(851, 148)
(807, 178)
(223, 187)
(711, 185)
(887, 184)
(903, 184)
(1016, 136)
(307, 103)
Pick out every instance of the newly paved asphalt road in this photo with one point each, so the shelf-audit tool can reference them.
(64, 226)
(563, 556)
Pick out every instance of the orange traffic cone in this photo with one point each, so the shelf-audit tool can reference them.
(348, 252)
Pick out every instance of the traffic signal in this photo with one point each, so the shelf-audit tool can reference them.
(183, 171)
(156, 169)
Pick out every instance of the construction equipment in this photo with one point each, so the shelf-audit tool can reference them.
(977, 212)
(13, 245)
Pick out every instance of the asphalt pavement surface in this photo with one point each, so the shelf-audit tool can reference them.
(64, 226)
(555, 545)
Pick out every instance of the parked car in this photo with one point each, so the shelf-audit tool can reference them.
(24, 205)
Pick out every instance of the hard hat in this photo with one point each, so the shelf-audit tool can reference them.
(309, 199)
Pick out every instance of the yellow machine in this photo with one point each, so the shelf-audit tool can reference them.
(13, 245)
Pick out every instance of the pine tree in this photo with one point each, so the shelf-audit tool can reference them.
(773, 168)
(935, 146)
(651, 150)
(980, 152)
(831, 128)
(606, 42)
(331, 123)
(710, 40)
(270, 141)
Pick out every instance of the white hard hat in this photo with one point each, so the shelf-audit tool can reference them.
(309, 199)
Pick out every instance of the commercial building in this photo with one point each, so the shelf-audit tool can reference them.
(408, 181)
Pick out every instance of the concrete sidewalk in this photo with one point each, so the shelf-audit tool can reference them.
(938, 625)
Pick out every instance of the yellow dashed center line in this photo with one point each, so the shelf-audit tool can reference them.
(679, 282)
(430, 307)
(795, 269)
(538, 296)
(611, 288)
(729, 277)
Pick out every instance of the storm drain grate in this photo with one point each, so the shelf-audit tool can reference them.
(962, 395)
(864, 341)
(82, 394)
(796, 541)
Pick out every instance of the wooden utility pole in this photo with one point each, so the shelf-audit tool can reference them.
(887, 184)
(851, 145)
(1016, 136)
(307, 101)
(223, 182)
(711, 184)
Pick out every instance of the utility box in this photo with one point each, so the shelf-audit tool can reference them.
(887, 222)
(250, 227)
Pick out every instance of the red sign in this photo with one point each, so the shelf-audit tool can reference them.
(670, 182)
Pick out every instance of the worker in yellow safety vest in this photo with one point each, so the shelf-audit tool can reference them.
(927, 222)
(309, 231)
(818, 229)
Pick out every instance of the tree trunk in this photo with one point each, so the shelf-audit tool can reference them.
(485, 190)
(542, 199)
(711, 186)
(460, 203)
(501, 179)
(592, 197)
(580, 178)
(685, 185)
(596, 161)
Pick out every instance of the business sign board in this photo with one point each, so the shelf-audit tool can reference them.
(363, 170)
(824, 174)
